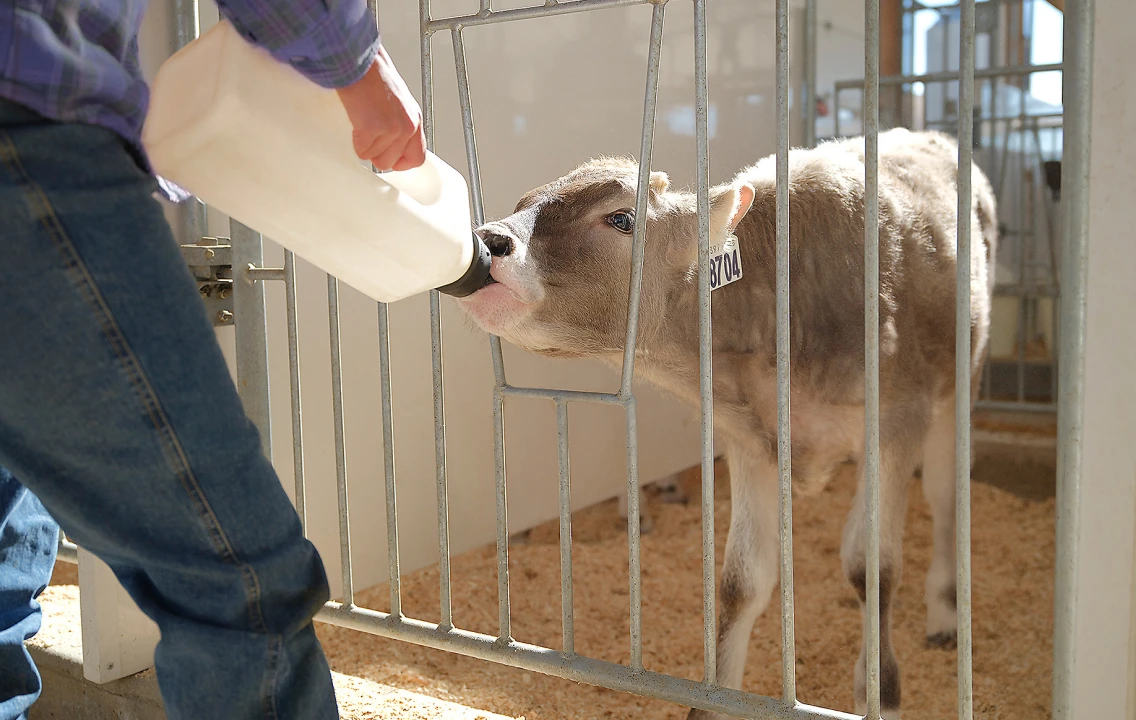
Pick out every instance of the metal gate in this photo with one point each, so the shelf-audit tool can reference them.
(231, 279)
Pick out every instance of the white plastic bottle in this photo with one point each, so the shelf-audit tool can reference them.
(255, 139)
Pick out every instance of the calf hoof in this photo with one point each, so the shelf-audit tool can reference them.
(646, 524)
(942, 641)
(696, 714)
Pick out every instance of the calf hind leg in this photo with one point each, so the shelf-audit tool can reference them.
(895, 475)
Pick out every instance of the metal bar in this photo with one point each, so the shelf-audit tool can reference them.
(963, 357)
(566, 603)
(486, 7)
(950, 75)
(810, 73)
(872, 355)
(574, 667)
(67, 552)
(642, 192)
(294, 386)
(784, 447)
(570, 395)
(634, 569)
(251, 331)
(474, 173)
(388, 460)
(440, 464)
(1023, 245)
(502, 519)
(192, 214)
(547, 10)
(705, 338)
(340, 448)
(1075, 191)
(254, 273)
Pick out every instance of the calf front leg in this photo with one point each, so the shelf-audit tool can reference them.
(750, 568)
(939, 491)
(895, 474)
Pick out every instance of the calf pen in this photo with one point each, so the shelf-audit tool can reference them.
(242, 303)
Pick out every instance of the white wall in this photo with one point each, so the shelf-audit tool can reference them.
(1108, 512)
(547, 95)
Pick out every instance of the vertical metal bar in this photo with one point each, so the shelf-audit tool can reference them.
(963, 357)
(646, 146)
(1024, 284)
(810, 73)
(784, 448)
(635, 596)
(294, 386)
(474, 174)
(192, 214)
(251, 330)
(505, 621)
(705, 337)
(872, 353)
(443, 491)
(340, 447)
(836, 113)
(388, 459)
(566, 603)
(1075, 192)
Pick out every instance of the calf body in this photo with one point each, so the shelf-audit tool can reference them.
(562, 265)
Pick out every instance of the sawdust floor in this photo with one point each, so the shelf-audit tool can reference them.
(1013, 551)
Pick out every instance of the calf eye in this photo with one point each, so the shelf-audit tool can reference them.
(623, 221)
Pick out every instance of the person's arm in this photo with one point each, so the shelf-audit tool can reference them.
(335, 44)
(331, 42)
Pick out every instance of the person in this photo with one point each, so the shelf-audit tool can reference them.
(118, 417)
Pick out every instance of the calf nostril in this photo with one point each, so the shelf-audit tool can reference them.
(499, 245)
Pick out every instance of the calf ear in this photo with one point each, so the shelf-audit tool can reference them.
(659, 182)
(728, 205)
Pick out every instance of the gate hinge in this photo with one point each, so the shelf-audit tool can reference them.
(211, 262)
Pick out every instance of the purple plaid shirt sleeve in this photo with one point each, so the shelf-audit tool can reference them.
(331, 42)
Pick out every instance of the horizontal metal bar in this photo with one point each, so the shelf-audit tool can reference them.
(552, 7)
(947, 76)
(574, 667)
(253, 273)
(68, 552)
(566, 395)
(1001, 406)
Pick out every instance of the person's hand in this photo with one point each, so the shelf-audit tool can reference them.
(387, 120)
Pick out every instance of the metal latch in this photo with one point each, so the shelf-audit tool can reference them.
(211, 262)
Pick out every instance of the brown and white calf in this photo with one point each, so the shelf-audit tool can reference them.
(562, 266)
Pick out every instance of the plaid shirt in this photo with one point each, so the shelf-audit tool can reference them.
(77, 60)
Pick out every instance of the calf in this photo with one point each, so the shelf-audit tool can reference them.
(562, 266)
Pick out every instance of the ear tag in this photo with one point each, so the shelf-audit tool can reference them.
(725, 263)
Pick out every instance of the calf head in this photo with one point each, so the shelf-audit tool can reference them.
(562, 261)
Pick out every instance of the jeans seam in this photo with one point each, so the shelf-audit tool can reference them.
(129, 363)
(271, 676)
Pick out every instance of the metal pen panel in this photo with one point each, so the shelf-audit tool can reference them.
(871, 113)
(294, 386)
(1075, 190)
(642, 195)
(340, 447)
(577, 668)
(554, 7)
(251, 331)
(440, 462)
(962, 357)
(503, 609)
(705, 340)
(634, 570)
(474, 173)
(388, 461)
(784, 447)
(566, 601)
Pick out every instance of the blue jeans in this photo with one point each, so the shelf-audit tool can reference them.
(118, 414)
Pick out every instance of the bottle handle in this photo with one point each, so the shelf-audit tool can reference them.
(423, 183)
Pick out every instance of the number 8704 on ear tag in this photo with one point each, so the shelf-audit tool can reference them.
(725, 264)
